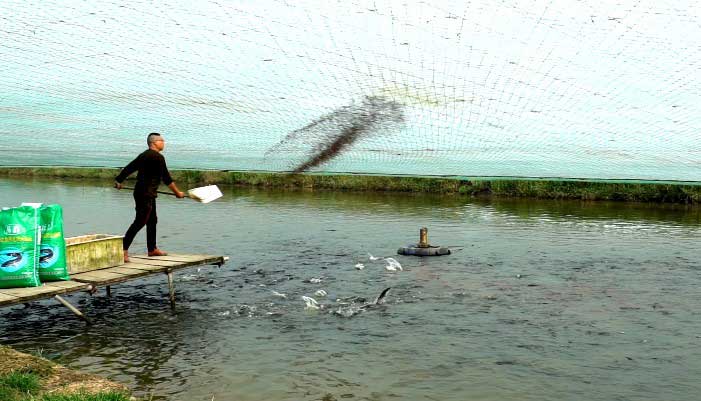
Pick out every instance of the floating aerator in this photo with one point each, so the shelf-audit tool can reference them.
(423, 248)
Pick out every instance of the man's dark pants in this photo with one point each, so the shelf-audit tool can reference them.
(145, 216)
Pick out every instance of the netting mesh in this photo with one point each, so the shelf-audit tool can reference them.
(588, 89)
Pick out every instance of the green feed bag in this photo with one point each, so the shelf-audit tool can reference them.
(19, 247)
(52, 254)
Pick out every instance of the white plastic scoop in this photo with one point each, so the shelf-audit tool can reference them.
(201, 194)
(205, 194)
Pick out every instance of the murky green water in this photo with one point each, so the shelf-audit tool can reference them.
(539, 301)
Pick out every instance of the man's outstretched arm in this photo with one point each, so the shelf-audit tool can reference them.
(126, 172)
(175, 190)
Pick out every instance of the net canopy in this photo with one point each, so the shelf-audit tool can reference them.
(594, 89)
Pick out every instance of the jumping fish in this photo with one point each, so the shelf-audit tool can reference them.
(393, 265)
(351, 310)
(279, 294)
(347, 309)
(381, 298)
(310, 302)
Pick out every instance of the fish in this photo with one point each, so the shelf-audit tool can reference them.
(279, 294)
(393, 265)
(347, 309)
(381, 298)
(351, 309)
(311, 303)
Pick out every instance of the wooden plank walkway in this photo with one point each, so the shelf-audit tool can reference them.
(12, 296)
(139, 266)
(142, 265)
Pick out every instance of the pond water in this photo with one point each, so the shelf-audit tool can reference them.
(540, 300)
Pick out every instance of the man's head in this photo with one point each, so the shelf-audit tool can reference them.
(155, 141)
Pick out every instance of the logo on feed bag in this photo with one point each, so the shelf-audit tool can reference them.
(13, 229)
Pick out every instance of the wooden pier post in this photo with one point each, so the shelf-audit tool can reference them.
(171, 289)
(72, 308)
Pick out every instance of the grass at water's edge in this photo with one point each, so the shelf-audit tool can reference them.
(526, 188)
(26, 377)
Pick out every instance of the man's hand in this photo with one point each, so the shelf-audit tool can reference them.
(178, 193)
(118, 185)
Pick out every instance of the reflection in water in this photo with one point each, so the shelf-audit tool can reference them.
(540, 300)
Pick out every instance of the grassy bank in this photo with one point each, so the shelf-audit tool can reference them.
(30, 378)
(529, 188)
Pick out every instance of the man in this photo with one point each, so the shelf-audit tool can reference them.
(152, 169)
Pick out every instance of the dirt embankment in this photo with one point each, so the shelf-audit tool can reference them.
(54, 378)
